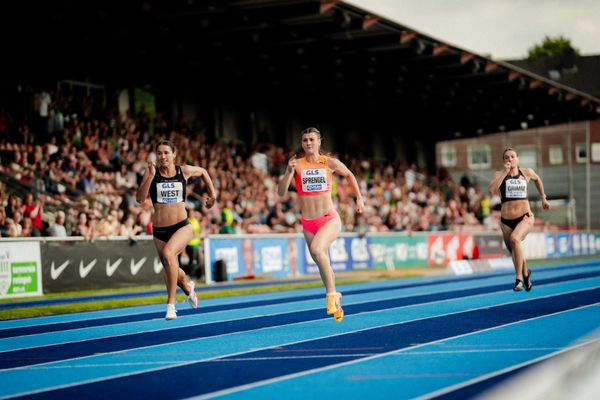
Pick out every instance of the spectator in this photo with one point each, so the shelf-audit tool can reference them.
(81, 228)
(58, 228)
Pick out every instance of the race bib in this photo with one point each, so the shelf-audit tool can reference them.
(516, 189)
(314, 180)
(169, 192)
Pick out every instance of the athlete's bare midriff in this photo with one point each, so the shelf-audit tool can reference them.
(168, 214)
(316, 205)
(514, 209)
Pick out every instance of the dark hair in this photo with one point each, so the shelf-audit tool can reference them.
(166, 143)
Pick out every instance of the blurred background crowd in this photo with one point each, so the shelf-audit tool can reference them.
(72, 168)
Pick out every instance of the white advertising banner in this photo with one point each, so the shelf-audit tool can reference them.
(20, 269)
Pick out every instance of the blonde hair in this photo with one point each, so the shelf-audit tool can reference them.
(311, 130)
(508, 149)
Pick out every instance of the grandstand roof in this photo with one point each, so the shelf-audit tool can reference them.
(327, 51)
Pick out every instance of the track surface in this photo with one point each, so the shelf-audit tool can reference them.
(434, 337)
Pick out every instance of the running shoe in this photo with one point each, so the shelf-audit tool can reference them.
(171, 312)
(518, 285)
(192, 299)
(527, 281)
(334, 306)
(338, 316)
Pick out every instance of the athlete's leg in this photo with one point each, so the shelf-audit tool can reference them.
(169, 253)
(506, 232)
(516, 237)
(318, 245)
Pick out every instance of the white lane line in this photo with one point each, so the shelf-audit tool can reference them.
(231, 390)
(257, 308)
(85, 317)
(343, 364)
(504, 370)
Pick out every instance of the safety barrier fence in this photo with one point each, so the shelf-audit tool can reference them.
(33, 266)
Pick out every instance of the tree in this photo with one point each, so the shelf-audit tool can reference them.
(551, 46)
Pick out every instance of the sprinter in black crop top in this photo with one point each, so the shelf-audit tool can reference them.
(514, 187)
(515, 215)
(164, 183)
(165, 190)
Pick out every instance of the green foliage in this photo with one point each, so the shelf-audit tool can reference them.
(551, 46)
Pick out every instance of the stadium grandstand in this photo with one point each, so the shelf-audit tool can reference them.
(89, 91)
(233, 83)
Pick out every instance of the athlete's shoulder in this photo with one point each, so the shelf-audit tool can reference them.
(529, 173)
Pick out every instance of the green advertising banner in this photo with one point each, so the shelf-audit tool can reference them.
(20, 273)
(390, 252)
(598, 243)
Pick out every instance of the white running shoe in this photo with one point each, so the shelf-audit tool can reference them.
(192, 299)
(518, 285)
(171, 312)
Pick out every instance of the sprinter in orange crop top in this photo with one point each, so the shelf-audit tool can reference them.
(515, 215)
(320, 221)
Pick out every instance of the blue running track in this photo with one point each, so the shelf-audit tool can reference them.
(436, 337)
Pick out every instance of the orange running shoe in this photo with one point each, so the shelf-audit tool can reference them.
(338, 315)
(334, 306)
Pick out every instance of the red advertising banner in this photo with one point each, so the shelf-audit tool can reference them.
(450, 247)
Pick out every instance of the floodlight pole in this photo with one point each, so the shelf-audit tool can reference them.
(570, 160)
(588, 197)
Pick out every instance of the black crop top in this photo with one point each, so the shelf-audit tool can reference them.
(514, 188)
(168, 190)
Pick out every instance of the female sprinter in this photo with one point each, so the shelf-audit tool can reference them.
(515, 216)
(166, 186)
(320, 221)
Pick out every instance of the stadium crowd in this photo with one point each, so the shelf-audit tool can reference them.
(79, 166)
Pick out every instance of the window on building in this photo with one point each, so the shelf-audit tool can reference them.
(596, 152)
(580, 153)
(448, 155)
(479, 156)
(555, 155)
(527, 156)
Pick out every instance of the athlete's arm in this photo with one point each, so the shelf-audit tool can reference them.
(286, 179)
(143, 190)
(341, 169)
(498, 178)
(191, 170)
(539, 185)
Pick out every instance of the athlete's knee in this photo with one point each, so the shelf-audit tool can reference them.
(317, 251)
(169, 253)
(514, 240)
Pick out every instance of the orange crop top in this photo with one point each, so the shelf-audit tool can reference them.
(313, 178)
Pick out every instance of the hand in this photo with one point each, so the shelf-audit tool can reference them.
(209, 200)
(360, 205)
(507, 167)
(151, 168)
(545, 204)
(292, 163)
